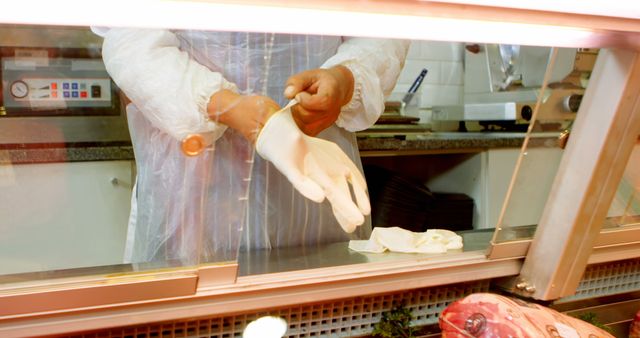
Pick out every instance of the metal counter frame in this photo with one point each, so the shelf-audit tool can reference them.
(606, 126)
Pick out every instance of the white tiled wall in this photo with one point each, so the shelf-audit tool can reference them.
(443, 84)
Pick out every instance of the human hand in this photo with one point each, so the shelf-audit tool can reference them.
(321, 93)
(317, 168)
(244, 113)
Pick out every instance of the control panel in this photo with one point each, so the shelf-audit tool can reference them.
(59, 84)
(56, 92)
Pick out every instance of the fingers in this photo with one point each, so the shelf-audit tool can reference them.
(303, 114)
(307, 187)
(347, 226)
(313, 89)
(319, 104)
(347, 214)
(299, 82)
(360, 192)
(340, 198)
(356, 176)
(323, 99)
(337, 192)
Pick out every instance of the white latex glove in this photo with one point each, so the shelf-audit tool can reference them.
(317, 168)
(396, 239)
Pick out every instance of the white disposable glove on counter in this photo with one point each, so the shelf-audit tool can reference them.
(396, 239)
(317, 168)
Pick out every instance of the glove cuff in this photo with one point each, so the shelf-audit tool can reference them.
(282, 119)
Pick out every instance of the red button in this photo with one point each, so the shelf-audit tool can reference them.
(54, 94)
(83, 94)
(54, 85)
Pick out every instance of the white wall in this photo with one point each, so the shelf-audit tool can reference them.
(444, 82)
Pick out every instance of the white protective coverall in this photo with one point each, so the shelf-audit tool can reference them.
(204, 208)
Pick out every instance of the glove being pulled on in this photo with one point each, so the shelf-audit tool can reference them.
(317, 168)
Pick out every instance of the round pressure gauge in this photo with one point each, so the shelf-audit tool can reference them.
(19, 89)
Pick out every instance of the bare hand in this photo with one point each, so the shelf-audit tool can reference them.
(244, 113)
(321, 93)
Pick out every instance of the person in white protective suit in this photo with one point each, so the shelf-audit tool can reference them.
(225, 87)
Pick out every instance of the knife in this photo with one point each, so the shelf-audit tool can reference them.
(414, 87)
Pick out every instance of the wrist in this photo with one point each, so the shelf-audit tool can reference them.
(220, 106)
(243, 113)
(355, 104)
(347, 81)
(225, 107)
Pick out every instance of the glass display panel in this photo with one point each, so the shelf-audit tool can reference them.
(82, 142)
(559, 94)
(68, 171)
(625, 207)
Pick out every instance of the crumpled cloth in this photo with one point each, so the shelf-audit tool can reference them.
(396, 239)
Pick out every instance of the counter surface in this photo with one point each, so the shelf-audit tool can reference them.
(441, 141)
(446, 142)
(29, 154)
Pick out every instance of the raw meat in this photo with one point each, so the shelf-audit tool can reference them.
(489, 315)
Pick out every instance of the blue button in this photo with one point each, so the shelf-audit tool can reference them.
(74, 86)
(74, 94)
(65, 94)
(65, 85)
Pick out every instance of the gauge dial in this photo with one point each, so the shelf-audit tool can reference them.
(19, 89)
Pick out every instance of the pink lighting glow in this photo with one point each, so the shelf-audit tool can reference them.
(253, 17)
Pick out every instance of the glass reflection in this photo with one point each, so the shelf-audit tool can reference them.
(66, 169)
(68, 172)
(559, 92)
(625, 207)
(235, 90)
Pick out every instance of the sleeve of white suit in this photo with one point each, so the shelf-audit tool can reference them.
(166, 85)
(376, 65)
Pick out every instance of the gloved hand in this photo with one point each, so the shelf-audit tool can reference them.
(321, 93)
(317, 168)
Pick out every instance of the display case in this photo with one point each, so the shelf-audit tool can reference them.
(563, 198)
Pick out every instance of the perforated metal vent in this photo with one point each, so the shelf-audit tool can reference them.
(608, 279)
(343, 318)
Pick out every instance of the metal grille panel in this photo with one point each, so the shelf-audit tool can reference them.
(339, 318)
(608, 279)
